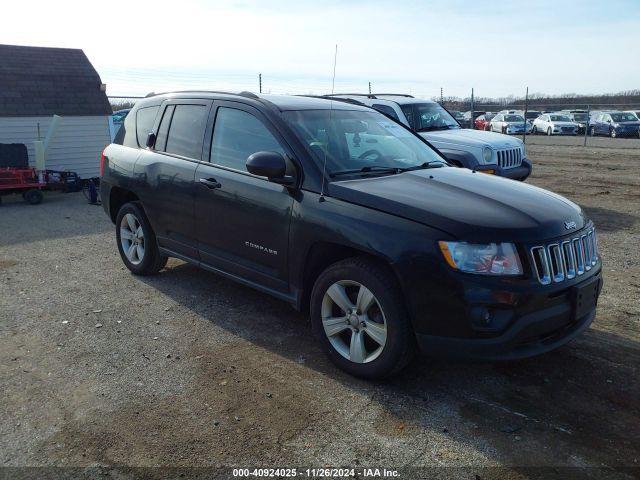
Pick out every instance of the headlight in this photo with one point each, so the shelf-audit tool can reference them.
(487, 154)
(484, 259)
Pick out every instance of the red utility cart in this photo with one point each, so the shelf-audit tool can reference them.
(21, 180)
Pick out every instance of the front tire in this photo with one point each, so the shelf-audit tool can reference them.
(534, 130)
(358, 314)
(137, 241)
(612, 133)
(549, 132)
(593, 131)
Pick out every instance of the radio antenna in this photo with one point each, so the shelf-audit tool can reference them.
(333, 86)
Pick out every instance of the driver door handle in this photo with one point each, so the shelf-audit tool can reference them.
(211, 183)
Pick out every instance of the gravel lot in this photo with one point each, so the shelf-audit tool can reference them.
(103, 369)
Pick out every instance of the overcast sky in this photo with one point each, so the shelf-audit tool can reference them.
(497, 47)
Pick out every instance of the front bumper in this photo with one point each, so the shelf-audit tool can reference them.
(521, 172)
(541, 330)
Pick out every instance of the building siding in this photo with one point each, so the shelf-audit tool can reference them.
(76, 146)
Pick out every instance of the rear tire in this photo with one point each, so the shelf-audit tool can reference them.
(375, 340)
(137, 242)
(33, 197)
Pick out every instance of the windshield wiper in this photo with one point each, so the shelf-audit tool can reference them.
(382, 169)
(441, 127)
(430, 164)
(368, 169)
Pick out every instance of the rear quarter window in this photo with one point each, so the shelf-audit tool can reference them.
(387, 110)
(145, 117)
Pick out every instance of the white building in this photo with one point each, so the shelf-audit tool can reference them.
(37, 83)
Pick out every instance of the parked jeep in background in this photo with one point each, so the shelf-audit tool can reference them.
(354, 218)
(477, 150)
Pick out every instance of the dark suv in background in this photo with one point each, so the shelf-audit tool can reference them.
(354, 218)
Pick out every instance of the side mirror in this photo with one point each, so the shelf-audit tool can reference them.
(271, 165)
(151, 140)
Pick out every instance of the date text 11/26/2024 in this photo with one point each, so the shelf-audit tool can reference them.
(316, 472)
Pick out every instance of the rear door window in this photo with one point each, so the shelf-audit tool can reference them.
(186, 131)
(145, 117)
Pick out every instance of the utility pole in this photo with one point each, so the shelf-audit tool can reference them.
(441, 97)
(369, 88)
(586, 125)
(260, 82)
(526, 107)
(472, 124)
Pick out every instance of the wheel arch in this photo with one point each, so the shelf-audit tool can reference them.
(323, 254)
(118, 196)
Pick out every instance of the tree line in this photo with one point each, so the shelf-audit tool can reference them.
(627, 99)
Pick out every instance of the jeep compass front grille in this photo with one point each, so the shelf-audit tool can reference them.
(510, 158)
(566, 259)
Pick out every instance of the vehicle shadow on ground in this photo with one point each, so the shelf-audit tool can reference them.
(580, 399)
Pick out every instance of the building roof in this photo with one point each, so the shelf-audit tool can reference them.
(38, 81)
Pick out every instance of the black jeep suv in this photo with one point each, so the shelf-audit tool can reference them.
(345, 213)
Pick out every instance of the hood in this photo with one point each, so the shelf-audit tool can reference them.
(473, 207)
(465, 136)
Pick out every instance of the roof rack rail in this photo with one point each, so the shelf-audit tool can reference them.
(371, 95)
(368, 95)
(395, 95)
(337, 99)
(242, 94)
(247, 94)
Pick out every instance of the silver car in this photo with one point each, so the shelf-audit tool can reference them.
(509, 124)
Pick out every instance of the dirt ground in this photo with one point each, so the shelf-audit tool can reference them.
(102, 370)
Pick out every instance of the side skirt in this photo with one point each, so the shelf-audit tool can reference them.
(292, 297)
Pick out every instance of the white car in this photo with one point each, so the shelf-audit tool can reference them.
(555, 124)
(509, 124)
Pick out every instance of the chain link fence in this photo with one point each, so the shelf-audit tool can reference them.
(583, 109)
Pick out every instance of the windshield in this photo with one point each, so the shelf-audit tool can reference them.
(513, 118)
(623, 117)
(560, 118)
(353, 140)
(580, 117)
(425, 117)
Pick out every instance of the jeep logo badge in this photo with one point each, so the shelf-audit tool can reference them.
(569, 225)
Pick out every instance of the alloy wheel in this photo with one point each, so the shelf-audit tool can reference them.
(353, 321)
(132, 238)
